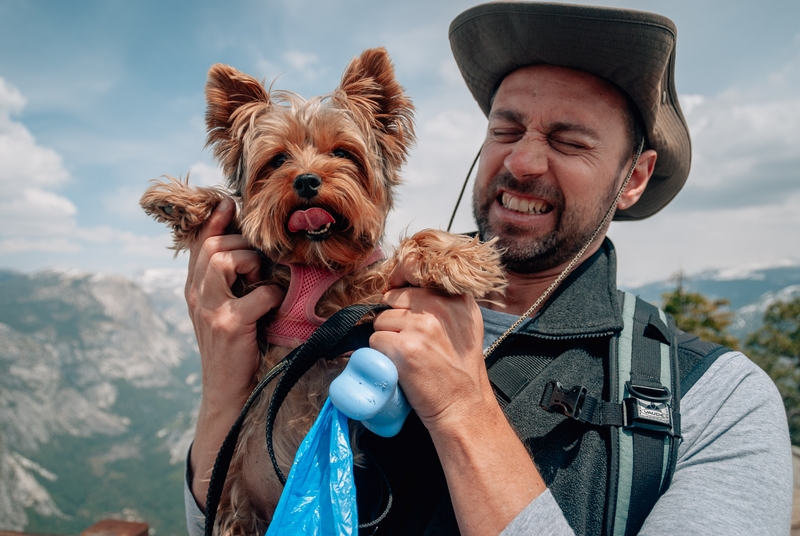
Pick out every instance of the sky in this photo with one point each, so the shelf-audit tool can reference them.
(99, 97)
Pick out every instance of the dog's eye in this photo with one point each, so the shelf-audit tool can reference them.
(278, 160)
(341, 153)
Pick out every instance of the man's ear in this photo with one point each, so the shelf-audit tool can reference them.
(232, 98)
(371, 91)
(639, 179)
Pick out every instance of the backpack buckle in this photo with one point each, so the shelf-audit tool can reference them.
(648, 408)
(556, 399)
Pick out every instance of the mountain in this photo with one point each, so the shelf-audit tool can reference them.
(98, 388)
(99, 385)
(749, 291)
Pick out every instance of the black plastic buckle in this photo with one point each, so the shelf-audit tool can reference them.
(648, 408)
(567, 403)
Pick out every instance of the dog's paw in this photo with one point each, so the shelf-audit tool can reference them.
(184, 208)
(454, 264)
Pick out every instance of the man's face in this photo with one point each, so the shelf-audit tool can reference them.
(556, 151)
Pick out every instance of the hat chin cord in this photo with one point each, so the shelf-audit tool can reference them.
(567, 269)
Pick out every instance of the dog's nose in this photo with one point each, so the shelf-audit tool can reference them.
(307, 185)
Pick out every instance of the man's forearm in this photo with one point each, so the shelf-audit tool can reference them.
(490, 475)
(213, 424)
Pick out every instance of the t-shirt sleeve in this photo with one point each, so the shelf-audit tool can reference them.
(734, 469)
(542, 516)
(195, 519)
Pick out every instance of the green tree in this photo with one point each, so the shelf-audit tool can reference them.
(775, 347)
(701, 316)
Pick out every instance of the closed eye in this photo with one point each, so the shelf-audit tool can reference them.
(568, 146)
(506, 135)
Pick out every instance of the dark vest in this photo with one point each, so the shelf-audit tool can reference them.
(568, 341)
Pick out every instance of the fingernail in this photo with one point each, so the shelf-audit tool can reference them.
(224, 204)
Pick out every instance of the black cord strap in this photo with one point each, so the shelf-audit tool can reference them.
(338, 335)
(225, 454)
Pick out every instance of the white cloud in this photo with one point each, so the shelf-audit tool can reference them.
(416, 47)
(11, 100)
(746, 143)
(125, 241)
(28, 173)
(145, 246)
(24, 163)
(36, 212)
(745, 152)
(449, 73)
(12, 245)
(293, 65)
(34, 216)
(300, 61)
(741, 204)
(446, 145)
(673, 240)
(303, 63)
(690, 102)
(202, 174)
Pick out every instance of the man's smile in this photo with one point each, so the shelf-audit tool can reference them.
(524, 205)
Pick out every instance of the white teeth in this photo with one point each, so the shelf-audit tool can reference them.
(320, 231)
(526, 206)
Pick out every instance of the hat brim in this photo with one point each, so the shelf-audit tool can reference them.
(632, 49)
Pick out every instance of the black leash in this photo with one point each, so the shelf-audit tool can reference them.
(225, 454)
(338, 335)
(463, 188)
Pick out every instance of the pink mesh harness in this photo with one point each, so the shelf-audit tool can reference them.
(296, 319)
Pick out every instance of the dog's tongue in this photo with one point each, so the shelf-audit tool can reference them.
(309, 220)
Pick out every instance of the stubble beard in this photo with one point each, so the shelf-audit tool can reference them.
(525, 255)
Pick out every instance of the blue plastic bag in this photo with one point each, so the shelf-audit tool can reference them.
(320, 494)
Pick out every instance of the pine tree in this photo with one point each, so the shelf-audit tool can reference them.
(775, 347)
(701, 316)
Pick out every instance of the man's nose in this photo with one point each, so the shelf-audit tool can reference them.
(528, 158)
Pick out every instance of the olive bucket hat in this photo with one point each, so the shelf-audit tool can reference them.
(632, 49)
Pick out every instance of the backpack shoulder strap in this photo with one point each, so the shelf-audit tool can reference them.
(641, 409)
(644, 379)
(651, 363)
(696, 356)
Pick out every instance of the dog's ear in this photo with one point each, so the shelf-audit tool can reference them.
(232, 98)
(369, 88)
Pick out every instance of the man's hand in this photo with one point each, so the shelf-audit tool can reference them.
(436, 343)
(225, 327)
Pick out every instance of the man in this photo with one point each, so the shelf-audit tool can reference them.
(571, 94)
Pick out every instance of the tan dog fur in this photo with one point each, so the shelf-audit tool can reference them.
(355, 140)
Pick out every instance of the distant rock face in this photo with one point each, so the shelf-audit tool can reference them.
(68, 343)
(750, 317)
(750, 292)
(99, 384)
(740, 287)
(19, 489)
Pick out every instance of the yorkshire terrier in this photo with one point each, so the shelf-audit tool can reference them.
(313, 181)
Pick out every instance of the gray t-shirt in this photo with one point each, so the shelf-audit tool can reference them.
(734, 469)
